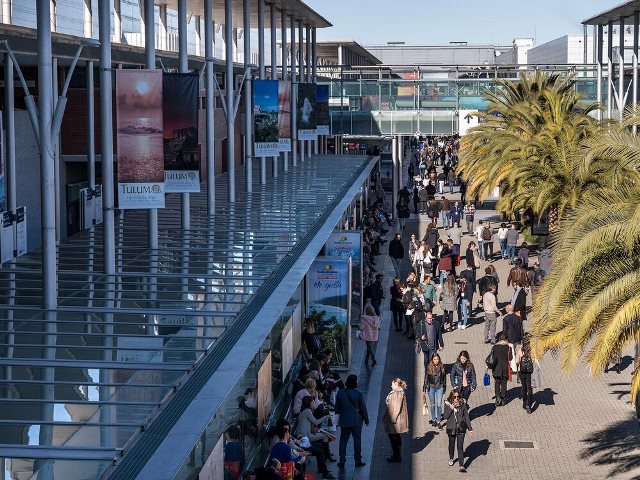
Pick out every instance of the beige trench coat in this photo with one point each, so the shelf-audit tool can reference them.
(396, 418)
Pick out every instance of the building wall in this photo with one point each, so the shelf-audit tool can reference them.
(442, 54)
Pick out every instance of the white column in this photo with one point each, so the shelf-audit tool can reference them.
(609, 70)
(294, 81)
(301, 78)
(248, 114)
(6, 11)
(274, 66)
(598, 48)
(263, 76)
(210, 107)
(117, 21)
(621, 70)
(636, 27)
(198, 35)
(163, 34)
(285, 55)
(87, 19)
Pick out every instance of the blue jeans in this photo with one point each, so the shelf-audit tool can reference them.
(446, 219)
(345, 433)
(480, 249)
(443, 276)
(376, 307)
(450, 187)
(464, 312)
(511, 252)
(435, 403)
(503, 248)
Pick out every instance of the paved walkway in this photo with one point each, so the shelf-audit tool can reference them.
(583, 427)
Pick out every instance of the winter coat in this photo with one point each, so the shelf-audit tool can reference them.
(396, 250)
(396, 299)
(369, 326)
(457, 372)
(396, 416)
(458, 420)
(501, 353)
(449, 300)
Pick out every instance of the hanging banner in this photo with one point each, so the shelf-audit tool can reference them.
(348, 244)
(265, 395)
(328, 295)
(322, 105)
(284, 116)
(180, 132)
(21, 231)
(306, 111)
(265, 118)
(7, 237)
(140, 146)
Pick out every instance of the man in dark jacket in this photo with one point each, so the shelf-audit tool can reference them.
(512, 325)
(352, 408)
(518, 274)
(429, 331)
(396, 252)
(377, 294)
(485, 283)
(519, 300)
(467, 286)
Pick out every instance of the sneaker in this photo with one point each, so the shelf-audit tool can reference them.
(462, 469)
(462, 327)
(451, 463)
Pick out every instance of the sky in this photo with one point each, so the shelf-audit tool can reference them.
(429, 22)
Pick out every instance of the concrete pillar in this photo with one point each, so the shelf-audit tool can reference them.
(598, 48)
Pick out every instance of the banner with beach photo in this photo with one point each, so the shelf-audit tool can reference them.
(328, 300)
(180, 132)
(265, 118)
(306, 111)
(139, 136)
(284, 116)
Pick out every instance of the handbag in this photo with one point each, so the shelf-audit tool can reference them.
(487, 379)
(417, 346)
(512, 361)
(490, 360)
(536, 376)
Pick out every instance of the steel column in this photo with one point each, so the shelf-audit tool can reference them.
(598, 48)
(56, 148)
(210, 107)
(9, 122)
(262, 74)
(314, 61)
(609, 69)
(229, 91)
(634, 100)
(294, 94)
(394, 176)
(621, 92)
(91, 137)
(248, 114)
(183, 67)
(150, 63)
(283, 75)
(274, 67)
(301, 78)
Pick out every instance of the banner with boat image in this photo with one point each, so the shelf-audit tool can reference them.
(139, 136)
(265, 118)
(180, 132)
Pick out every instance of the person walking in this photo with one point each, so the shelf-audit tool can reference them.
(524, 359)
(472, 258)
(352, 408)
(458, 423)
(456, 213)
(469, 214)
(396, 305)
(502, 239)
(402, 207)
(377, 293)
(451, 179)
(429, 335)
(396, 252)
(416, 198)
(424, 198)
(478, 232)
(487, 241)
(513, 326)
(369, 327)
(435, 384)
(512, 241)
(467, 286)
(500, 368)
(491, 312)
(463, 375)
(449, 300)
(412, 249)
(445, 212)
(455, 234)
(519, 300)
(433, 211)
(396, 418)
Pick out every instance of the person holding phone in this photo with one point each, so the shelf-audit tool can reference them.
(458, 423)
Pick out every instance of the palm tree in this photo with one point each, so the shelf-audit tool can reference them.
(531, 128)
(590, 302)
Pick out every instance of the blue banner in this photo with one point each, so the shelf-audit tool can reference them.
(265, 118)
(328, 303)
(348, 244)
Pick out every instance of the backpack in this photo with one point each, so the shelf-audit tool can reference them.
(526, 364)
(486, 233)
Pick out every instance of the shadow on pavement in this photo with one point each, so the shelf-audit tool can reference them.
(486, 409)
(475, 450)
(543, 397)
(615, 446)
(418, 444)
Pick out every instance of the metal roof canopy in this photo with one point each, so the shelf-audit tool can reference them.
(329, 47)
(624, 10)
(296, 8)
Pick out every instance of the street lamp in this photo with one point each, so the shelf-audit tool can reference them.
(62, 99)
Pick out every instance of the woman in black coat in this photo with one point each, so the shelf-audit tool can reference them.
(456, 414)
(397, 307)
(500, 368)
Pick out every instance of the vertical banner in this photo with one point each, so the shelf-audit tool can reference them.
(284, 116)
(140, 145)
(348, 244)
(21, 231)
(322, 105)
(180, 132)
(265, 118)
(265, 397)
(328, 296)
(7, 237)
(306, 111)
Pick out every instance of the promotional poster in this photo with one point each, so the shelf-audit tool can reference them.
(306, 111)
(180, 132)
(329, 294)
(284, 116)
(265, 118)
(322, 104)
(348, 244)
(140, 142)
